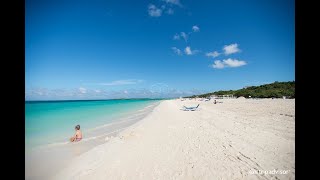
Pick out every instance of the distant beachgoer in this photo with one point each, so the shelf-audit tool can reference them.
(215, 101)
(78, 136)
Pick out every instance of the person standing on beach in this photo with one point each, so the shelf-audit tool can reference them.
(78, 136)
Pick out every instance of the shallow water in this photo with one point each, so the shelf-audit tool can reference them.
(54, 121)
(45, 157)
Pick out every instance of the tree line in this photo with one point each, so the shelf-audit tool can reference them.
(273, 90)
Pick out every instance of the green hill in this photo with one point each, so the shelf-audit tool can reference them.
(273, 90)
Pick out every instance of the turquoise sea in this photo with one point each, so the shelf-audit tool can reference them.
(48, 122)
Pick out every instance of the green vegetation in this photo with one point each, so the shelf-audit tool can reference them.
(273, 90)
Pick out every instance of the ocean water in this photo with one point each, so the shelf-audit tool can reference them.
(52, 122)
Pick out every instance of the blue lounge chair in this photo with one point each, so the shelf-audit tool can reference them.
(190, 108)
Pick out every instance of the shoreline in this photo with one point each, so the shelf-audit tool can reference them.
(66, 151)
(130, 118)
(226, 140)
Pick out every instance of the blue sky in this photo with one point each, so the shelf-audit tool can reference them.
(101, 49)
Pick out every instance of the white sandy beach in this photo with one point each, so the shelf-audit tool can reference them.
(227, 140)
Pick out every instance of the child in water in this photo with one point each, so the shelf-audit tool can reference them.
(78, 136)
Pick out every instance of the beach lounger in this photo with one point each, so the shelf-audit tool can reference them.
(190, 108)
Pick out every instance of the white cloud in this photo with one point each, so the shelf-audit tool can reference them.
(82, 90)
(39, 93)
(228, 63)
(188, 51)
(154, 11)
(212, 54)
(177, 51)
(74, 94)
(218, 64)
(176, 37)
(234, 62)
(195, 29)
(175, 2)
(230, 49)
(122, 82)
(184, 36)
(166, 6)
